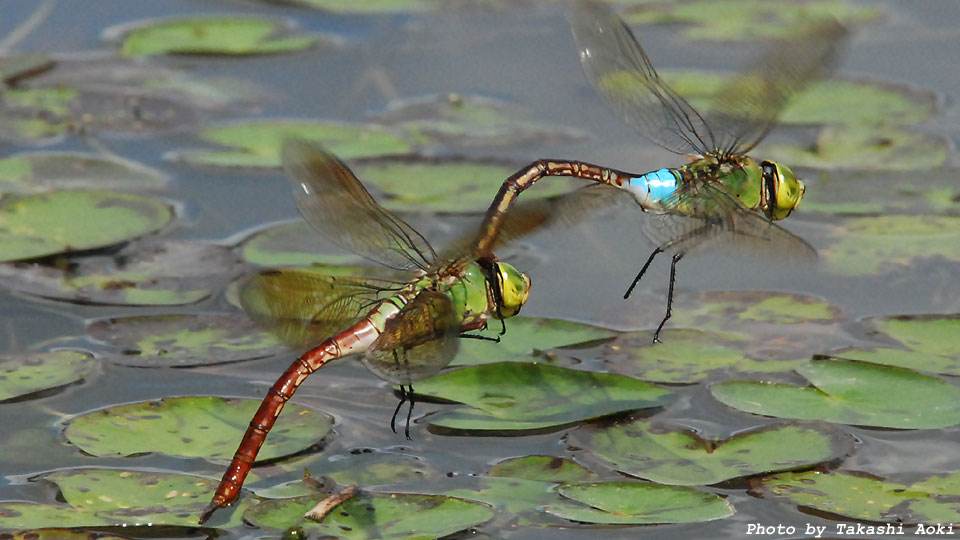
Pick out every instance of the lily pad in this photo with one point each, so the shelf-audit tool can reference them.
(25, 374)
(541, 469)
(737, 20)
(54, 533)
(294, 244)
(40, 171)
(184, 339)
(376, 516)
(64, 221)
(862, 497)
(879, 148)
(167, 273)
(115, 497)
(257, 143)
(685, 356)
(850, 392)
(466, 121)
(524, 336)
(875, 193)
(636, 503)
(510, 396)
(929, 343)
(227, 35)
(882, 244)
(205, 427)
(678, 456)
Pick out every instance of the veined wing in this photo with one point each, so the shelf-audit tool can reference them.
(332, 199)
(302, 307)
(417, 342)
(622, 74)
(746, 108)
(703, 216)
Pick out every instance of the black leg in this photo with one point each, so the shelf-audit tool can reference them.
(673, 279)
(413, 401)
(642, 271)
(393, 419)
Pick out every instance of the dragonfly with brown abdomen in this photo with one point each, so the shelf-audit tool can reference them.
(722, 194)
(405, 330)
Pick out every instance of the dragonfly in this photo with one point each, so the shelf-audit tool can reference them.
(406, 330)
(722, 193)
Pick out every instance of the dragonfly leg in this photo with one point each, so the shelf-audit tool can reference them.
(403, 399)
(641, 272)
(412, 400)
(495, 339)
(673, 278)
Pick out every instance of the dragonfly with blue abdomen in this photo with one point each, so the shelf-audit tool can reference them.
(406, 330)
(722, 194)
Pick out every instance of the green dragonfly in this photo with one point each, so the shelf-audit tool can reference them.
(722, 194)
(406, 330)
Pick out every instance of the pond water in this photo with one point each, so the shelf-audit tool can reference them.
(769, 313)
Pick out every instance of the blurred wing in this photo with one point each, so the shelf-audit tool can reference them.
(303, 308)
(417, 342)
(332, 199)
(702, 216)
(746, 108)
(622, 74)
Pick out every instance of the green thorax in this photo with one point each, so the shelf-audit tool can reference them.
(739, 177)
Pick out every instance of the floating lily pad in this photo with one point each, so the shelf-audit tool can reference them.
(636, 503)
(25, 374)
(376, 516)
(541, 469)
(167, 273)
(685, 356)
(875, 245)
(929, 343)
(678, 456)
(866, 148)
(457, 120)
(850, 392)
(524, 336)
(875, 193)
(40, 171)
(54, 533)
(228, 35)
(294, 244)
(184, 339)
(64, 221)
(515, 396)
(205, 427)
(736, 20)
(257, 143)
(866, 498)
(116, 497)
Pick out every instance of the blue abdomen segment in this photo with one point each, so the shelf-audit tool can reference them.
(649, 189)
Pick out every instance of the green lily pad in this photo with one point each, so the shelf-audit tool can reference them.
(865, 498)
(167, 273)
(881, 244)
(467, 121)
(541, 469)
(880, 148)
(116, 497)
(54, 533)
(184, 339)
(376, 516)
(850, 392)
(294, 244)
(736, 20)
(257, 143)
(875, 193)
(40, 171)
(685, 356)
(846, 102)
(929, 343)
(64, 221)
(636, 503)
(678, 456)
(25, 374)
(205, 427)
(524, 336)
(228, 35)
(509, 396)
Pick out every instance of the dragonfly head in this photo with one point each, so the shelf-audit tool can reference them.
(781, 192)
(514, 290)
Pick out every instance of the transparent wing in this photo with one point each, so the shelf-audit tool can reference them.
(703, 216)
(303, 308)
(623, 76)
(332, 199)
(417, 342)
(746, 108)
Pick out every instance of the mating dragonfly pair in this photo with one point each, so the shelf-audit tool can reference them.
(408, 331)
